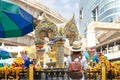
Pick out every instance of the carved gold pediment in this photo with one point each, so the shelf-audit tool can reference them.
(45, 28)
(70, 31)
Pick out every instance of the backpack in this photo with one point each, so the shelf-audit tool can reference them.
(75, 65)
(75, 68)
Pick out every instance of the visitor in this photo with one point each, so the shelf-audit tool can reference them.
(24, 55)
(76, 55)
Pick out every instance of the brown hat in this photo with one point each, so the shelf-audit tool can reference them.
(76, 46)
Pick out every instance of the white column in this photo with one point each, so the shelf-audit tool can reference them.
(101, 49)
(96, 16)
(91, 39)
(3, 45)
(107, 48)
(114, 47)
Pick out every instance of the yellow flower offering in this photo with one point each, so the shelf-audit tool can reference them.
(18, 62)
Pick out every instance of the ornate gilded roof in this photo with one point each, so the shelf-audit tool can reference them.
(70, 31)
(45, 28)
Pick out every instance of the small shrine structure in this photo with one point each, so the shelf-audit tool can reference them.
(50, 39)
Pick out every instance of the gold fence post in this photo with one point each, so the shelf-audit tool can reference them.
(103, 71)
(31, 72)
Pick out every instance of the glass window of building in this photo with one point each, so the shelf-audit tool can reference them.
(95, 14)
(0, 44)
(81, 14)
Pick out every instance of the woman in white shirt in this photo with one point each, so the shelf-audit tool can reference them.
(76, 50)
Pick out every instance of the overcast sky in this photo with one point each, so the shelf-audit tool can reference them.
(64, 7)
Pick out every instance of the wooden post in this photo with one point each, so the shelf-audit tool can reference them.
(31, 72)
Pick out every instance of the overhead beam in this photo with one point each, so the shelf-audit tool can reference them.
(21, 41)
(91, 37)
(103, 26)
(107, 26)
(35, 9)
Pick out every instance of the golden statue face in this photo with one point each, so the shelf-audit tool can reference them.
(45, 33)
(41, 34)
(71, 36)
(50, 33)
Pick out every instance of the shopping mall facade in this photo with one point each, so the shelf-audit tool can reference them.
(107, 41)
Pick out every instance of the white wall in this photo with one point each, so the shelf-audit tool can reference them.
(113, 55)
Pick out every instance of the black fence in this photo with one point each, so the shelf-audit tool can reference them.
(93, 75)
(97, 75)
(54, 74)
(112, 76)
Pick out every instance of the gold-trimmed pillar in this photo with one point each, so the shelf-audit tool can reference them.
(39, 55)
(60, 53)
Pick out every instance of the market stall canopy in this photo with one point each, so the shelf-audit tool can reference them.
(14, 21)
(4, 54)
(7, 61)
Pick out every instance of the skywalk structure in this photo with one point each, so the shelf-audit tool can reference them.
(108, 40)
(100, 22)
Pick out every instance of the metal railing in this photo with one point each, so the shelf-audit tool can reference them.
(54, 74)
(93, 75)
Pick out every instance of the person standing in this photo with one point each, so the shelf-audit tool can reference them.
(24, 55)
(76, 55)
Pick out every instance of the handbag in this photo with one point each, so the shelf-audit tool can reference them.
(76, 74)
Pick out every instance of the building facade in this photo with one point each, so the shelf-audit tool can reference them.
(97, 10)
(102, 11)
